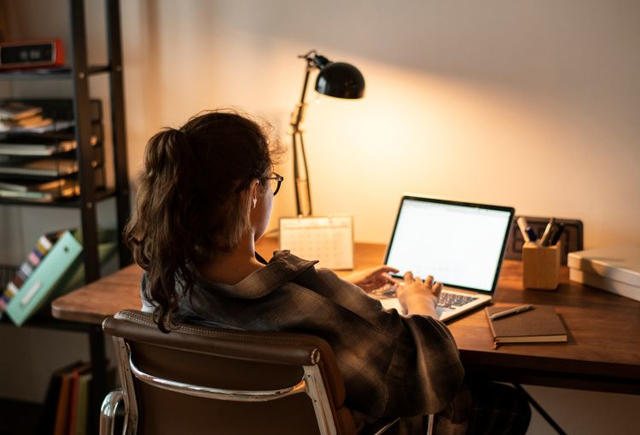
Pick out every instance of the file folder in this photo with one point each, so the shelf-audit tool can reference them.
(36, 290)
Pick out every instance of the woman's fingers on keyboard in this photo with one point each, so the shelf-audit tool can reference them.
(437, 289)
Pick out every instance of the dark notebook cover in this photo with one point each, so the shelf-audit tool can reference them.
(540, 324)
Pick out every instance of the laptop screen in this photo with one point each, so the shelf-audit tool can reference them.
(460, 244)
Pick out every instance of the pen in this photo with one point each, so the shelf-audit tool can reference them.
(551, 235)
(532, 234)
(544, 241)
(522, 223)
(556, 237)
(510, 311)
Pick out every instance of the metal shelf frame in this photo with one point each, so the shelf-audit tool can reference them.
(78, 73)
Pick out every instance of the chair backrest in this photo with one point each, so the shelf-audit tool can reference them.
(204, 380)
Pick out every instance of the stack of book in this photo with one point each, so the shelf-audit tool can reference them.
(66, 402)
(38, 159)
(19, 117)
(615, 269)
(16, 116)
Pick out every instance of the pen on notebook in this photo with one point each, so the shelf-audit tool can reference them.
(544, 241)
(510, 311)
(522, 223)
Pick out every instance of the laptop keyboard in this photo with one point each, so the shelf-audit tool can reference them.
(454, 300)
(447, 299)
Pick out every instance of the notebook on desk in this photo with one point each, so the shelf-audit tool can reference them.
(460, 244)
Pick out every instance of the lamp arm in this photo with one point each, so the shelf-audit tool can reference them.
(301, 182)
(297, 116)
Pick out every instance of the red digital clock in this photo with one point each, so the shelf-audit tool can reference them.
(38, 53)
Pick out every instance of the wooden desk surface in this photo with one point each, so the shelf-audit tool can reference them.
(603, 352)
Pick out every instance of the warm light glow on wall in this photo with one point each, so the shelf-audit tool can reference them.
(416, 130)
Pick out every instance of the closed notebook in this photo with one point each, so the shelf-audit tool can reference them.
(540, 324)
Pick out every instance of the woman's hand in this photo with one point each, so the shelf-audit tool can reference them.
(418, 297)
(372, 278)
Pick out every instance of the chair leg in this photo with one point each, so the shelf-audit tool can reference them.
(108, 411)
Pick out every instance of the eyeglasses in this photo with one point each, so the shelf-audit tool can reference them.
(276, 180)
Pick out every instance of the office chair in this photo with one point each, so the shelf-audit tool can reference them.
(198, 380)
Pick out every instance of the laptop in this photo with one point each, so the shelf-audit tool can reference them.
(460, 244)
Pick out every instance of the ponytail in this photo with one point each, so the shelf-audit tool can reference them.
(157, 228)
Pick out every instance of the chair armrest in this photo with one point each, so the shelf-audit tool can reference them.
(108, 411)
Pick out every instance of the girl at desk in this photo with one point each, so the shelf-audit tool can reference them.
(205, 196)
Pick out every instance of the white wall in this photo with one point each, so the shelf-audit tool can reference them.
(533, 104)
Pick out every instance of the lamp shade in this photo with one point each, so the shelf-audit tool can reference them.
(340, 80)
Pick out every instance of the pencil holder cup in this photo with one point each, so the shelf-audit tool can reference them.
(541, 266)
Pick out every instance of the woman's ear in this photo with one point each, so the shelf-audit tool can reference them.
(254, 193)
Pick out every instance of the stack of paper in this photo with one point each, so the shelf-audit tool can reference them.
(615, 269)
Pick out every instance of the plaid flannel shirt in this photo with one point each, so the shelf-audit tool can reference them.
(391, 365)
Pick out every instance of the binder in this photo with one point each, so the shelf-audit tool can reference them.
(37, 288)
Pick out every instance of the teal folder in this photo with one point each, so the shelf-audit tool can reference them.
(37, 289)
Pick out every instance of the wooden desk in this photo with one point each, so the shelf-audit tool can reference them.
(603, 352)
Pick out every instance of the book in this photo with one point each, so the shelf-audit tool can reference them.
(540, 324)
(22, 185)
(60, 108)
(40, 197)
(74, 392)
(97, 136)
(62, 408)
(41, 149)
(41, 192)
(47, 125)
(611, 285)
(30, 121)
(84, 384)
(15, 110)
(618, 263)
(46, 168)
(47, 421)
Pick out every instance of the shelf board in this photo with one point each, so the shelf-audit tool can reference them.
(70, 203)
(45, 320)
(63, 73)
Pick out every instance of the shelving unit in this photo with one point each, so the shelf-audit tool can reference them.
(79, 72)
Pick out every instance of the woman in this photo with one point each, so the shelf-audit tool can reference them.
(205, 198)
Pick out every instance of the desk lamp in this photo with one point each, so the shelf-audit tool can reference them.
(335, 79)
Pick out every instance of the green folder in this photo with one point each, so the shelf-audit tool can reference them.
(37, 288)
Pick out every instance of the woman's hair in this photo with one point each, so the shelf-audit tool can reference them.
(193, 201)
